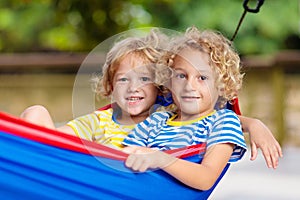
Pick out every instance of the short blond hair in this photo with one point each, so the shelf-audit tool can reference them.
(223, 59)
(149, 48)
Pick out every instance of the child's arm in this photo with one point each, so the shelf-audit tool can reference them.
(261, 137)
(40, 115)
(199, 176)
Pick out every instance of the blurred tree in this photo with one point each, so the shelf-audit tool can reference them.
(76, 25)
(264, 32)
(69, 25)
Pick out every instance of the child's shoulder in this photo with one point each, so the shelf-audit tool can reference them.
(104, 113)
(225, 113)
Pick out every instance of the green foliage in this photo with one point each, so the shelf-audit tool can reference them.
(263, 32)
(79, 25)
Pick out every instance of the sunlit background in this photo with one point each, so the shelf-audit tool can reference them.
(44, 42)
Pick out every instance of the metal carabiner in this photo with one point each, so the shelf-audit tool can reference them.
(255, 10)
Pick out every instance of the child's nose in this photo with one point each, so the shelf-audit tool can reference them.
(133, 86)
(190, 84)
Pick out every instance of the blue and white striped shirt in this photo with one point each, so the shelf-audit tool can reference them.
(161, 132)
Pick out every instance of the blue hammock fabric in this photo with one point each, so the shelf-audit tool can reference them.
(39, 163)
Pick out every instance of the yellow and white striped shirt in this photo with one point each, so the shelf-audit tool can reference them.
(100, 127)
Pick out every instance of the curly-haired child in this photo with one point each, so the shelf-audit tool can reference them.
(206, 74)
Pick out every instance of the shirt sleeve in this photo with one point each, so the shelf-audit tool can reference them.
(85, 126)
(140, 134)
(227, 129)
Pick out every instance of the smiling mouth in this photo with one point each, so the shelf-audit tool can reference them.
(189, 97)
(133, 99)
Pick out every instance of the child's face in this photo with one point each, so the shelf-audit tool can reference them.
(133, 88)
(193, 84)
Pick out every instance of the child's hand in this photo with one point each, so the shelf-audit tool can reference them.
(142, 158)
(261, 137)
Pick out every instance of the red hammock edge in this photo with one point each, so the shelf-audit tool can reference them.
(21, 128)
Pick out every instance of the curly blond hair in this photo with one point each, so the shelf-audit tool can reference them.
(149, 48)
(223, 59)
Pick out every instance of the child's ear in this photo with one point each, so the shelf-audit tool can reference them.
(167, 84)
(221, 91)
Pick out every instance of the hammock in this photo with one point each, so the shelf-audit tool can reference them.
(40, 163)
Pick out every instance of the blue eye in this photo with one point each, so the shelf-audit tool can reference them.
(181, 76)
(122, 79)
(145, 79)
